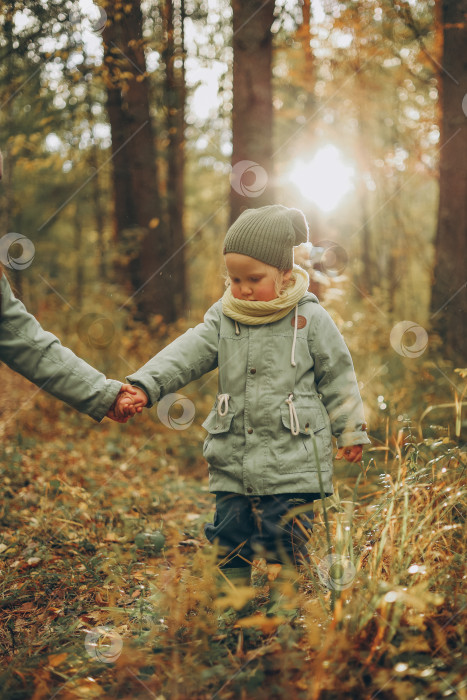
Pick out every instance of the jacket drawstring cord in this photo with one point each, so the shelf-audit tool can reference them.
(237, 328)
(292, 355)
(223, 404)
(294, 424)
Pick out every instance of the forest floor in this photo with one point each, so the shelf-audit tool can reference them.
(90, 608)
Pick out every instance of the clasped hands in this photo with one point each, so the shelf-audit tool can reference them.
(130, 400)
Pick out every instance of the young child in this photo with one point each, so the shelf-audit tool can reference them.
(286, 384)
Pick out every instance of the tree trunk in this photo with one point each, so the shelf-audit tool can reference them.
(363, 159)
(175, 98)
(139, 221)
(99, 214)
(78, 246)
(252, 115)
(449, 292)
(308, 78)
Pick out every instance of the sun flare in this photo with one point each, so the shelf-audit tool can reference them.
(323, 180)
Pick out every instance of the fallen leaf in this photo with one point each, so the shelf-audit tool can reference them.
(417, 643)
(33, 561)
(236, 598)
(112, 537)
(265, 624)
(57, 659)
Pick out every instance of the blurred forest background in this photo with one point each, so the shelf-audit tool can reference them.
(133, 133)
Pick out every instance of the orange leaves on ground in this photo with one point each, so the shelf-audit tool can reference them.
(267, 625)
(57, 659)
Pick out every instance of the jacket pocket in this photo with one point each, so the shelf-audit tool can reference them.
(310, 418)
(219, 445)
(216, 424)
(298, 453)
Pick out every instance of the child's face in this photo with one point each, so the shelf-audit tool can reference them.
(253, 280)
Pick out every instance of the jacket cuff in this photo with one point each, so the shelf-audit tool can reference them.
(107, 397)
(357, 437)
(152, 399)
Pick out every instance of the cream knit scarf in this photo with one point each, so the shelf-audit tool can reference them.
(255, 313)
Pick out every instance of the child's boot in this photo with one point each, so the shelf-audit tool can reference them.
(238, 576)
(283, 589)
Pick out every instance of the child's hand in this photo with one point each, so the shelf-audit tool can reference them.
(352, 453)
(130, 402)
(125, 388)
(132, 395)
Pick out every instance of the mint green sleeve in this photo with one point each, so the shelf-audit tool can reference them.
(187, 358)
(40, 357)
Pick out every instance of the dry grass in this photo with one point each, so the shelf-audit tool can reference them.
(385, 621)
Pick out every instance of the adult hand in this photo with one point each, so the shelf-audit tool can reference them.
(124, 389)
(128, 403)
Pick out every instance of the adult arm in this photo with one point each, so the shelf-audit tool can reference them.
(40, 357)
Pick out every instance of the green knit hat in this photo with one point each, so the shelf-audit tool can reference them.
(268, 234)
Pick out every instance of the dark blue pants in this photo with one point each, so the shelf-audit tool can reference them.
(274, 527)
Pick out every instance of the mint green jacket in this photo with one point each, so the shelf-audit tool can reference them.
(40, 357)
(278, 401)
